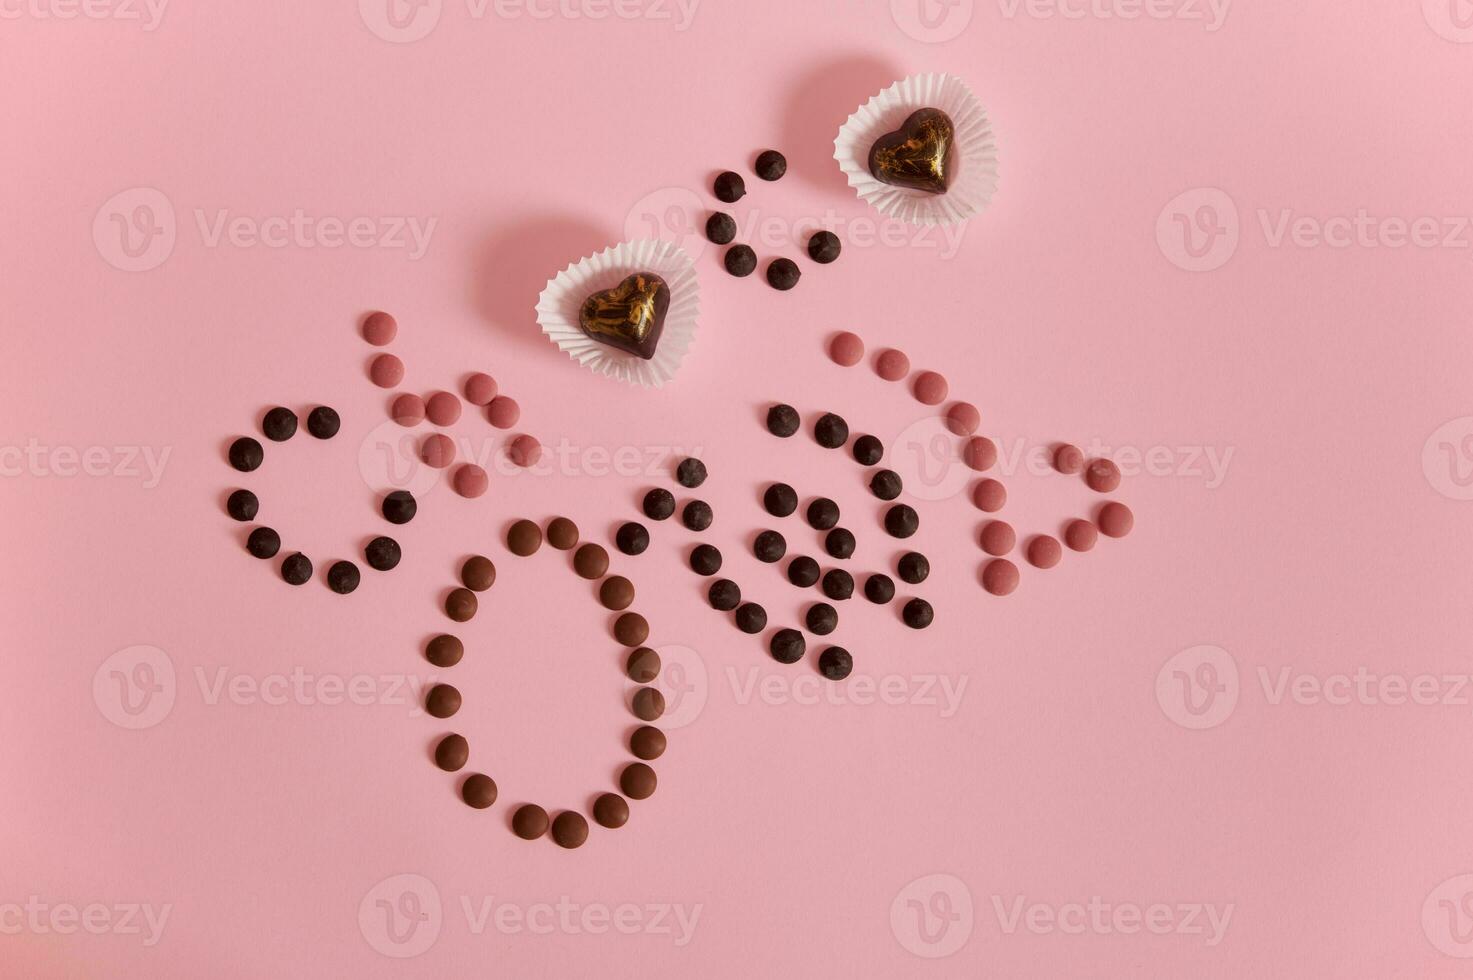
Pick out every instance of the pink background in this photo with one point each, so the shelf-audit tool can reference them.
(1336, 539)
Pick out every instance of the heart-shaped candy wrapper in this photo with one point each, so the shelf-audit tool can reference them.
(630, 316)
(920, 154)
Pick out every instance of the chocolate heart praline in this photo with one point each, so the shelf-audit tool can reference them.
(630, 316)
(919, 155)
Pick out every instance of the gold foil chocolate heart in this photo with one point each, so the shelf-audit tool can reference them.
(920, 154)
(630, 316)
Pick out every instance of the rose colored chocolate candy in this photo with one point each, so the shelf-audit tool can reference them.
(1068, 459)
(1116, 520)
(523, 538)
(386, 370)
(892, 365)
(529, 822)
(480, 389)
(846, 349)
(962, 418)
(442, 408)
(998, 538)
(437, 450)
(408, 410)
(1080, 535)
(979, 453)
(470, 481)
(637, 781)
(1044, 551)
(930, 388)
(503, 412)
(478, 573)
(1103, 476)
(525, 451)
(631, 629)
(611, 810)
(647, 743)
(379, 329)
(461, 605)
(562, 534)
(569, 829)
(989, 495)
(1000, 576)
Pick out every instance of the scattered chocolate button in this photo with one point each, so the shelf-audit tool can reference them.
(962, 418)
(879, 588)
(1000, 576)
(846, 349)
(919, 155)
(629, 316)
(631, 629)
(479, 791)
(787, 646)
(437, 450)
(444, 650)
(343, 577)
(989, 495)
(697, 515)
(616, 593)
(647, 743)
(523, 538)
(822, 619)
(323, 422)
(264, 542)
(1068, 459)
(824, 247)
(918, 614)
(823, 514)
(885, 484)
(480, 388)
(659, 504)
(892, 365)
(442, 701)
(780, 500)
(803, 571)
(380, 328)
(867, 450)
(562, 534)
(399, 507)
(296, 569)
(690, 472)
(1116, 520)
(724, 595)
(503, 412)
(637, 781)
(648, 704)
(611, 810)
(590, 561)
(783, 274)
(529, 822)
(643, 665)
(751, 618)
(998, 538)
(770, 546)
(740, 260)
(461, 605)
(470, 481)
(835, 663)
(901, 521)
(452, 753)
(525, 451)
(979, 453)
(913, 568)
(771, 165)
(839, 543)
(930, 388)
(782, 420)
(442, 408)
(569, 829)
(280, 424)
(1080, 535)
(1044, 551)
(632, 538)
(729, 187)
(705, 560)
(407, 410)
(246, 454)
(838, 584)
(386, 370)
(721, 228)
(243, 506)
(1103, 476)
(831, 431)
(477, 574)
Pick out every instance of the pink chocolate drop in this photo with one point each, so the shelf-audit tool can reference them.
(525, 451)
(470, 480)
(1103, 476)
(989, 495)
(930, 388)
(408, 410)
(1068, 459)
(1000, 576)
(1081, 535)
(962, 418)
(437, 450)
(503, 412)
(979, 453)
(1116, 520)
(386, 371)
(846, 349)
(1044, 551)
(480, 389)
(379, 328)
(443, 408)
(892, 365)
(998, 538)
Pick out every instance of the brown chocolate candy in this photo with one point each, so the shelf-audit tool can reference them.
(444, 650)
(630, 316)
(562, 534)
(611, 810)
(452, 752)
(637, 781)
(478, 573)
(524, 538)
(479, 791)
(442, 701)
(461, 605)
(631, 629)
(616, 593)
(648, 704)
(647, 743)
(591, 561)
(529, 822)
(569, 829)
(919, 155)
(643, 665)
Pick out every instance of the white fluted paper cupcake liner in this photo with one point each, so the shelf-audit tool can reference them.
(557, 309)
(975, 181)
